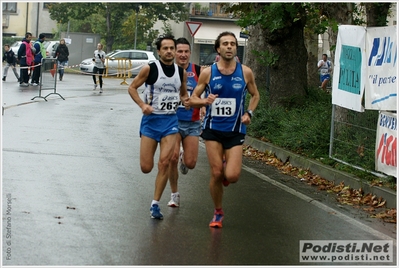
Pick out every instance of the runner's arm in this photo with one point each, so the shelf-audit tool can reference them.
(137, 82)
(183, 90)
(253, 91)
(196, 100)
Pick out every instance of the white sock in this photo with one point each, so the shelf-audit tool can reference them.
(175, 194)
(154, 202)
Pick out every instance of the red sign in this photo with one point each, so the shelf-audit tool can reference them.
(193, 27)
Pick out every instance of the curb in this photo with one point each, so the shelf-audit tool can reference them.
(322, 170)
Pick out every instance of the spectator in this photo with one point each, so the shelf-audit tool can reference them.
(62, 54)
(9, 57)
(24, 56)
(40, 54)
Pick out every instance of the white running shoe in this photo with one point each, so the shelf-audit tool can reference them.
(182, 167)
(174, 200)
(95, 86)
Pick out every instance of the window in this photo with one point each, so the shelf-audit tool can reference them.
(46, 5)
(139, 56)
(123, 54)
(9, 7)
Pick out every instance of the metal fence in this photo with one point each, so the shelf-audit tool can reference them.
(48, 78)
(353, 138)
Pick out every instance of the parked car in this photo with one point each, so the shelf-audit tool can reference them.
(14, 47)
(87, 65)
(138, 58)
(50, 46)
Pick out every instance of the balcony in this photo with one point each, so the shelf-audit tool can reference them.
(212, 11)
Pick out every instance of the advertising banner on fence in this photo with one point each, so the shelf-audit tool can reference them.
(381, 80)
(349, 68)
(386, 144)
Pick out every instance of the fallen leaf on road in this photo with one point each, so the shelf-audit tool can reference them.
(345, 194)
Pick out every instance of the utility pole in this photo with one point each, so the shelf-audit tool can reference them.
(137, 8)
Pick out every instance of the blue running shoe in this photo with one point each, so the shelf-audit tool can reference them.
(156, 212)
(216, 222)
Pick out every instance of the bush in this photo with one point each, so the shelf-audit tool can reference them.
(304, 128)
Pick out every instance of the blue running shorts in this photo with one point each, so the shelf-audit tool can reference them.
(189, 128)
(157, 126)
(324, 77)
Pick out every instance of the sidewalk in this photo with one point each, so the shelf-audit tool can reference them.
(324, 171)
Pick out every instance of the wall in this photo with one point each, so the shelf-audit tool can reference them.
(39, 19)
(81, 47)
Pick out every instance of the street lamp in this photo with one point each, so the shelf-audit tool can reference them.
(137, 9)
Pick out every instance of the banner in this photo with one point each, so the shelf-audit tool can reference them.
(386, 144)
(381, 83)
(349, 68)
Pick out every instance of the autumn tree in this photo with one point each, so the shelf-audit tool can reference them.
(277, 48)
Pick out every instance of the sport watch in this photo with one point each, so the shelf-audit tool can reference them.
(250, 113)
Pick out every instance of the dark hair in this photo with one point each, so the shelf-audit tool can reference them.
(325, 55)
(183, 41)
(159, 40)
(217, 42)
(41, 36)
(7, 45)
(28, 34)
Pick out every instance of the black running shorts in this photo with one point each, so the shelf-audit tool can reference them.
(227, 139)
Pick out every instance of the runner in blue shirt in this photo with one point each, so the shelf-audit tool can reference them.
(189, 124)
(225, 84)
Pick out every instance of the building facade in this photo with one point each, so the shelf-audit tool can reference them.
(21, 17)
(213, 19)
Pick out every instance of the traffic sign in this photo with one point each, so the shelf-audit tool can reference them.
(193, 26)
(243, 35)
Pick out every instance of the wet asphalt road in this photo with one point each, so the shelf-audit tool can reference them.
(73, 194)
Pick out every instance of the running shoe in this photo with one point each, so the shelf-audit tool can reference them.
(225, 182)
(174, 200)
(95, 86)
(216, 222)
(101, 90)
(156, 212)
(182, 167)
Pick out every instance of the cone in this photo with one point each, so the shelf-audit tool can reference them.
(52, 71)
